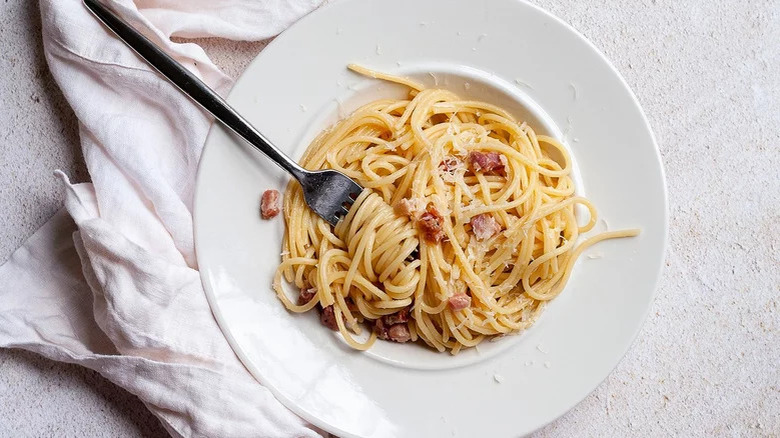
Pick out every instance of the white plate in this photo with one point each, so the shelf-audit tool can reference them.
(512, 54)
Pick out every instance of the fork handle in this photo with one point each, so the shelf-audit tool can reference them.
(193, 87)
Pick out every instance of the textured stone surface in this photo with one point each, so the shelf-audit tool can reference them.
(707, 73)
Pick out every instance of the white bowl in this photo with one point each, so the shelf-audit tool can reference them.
(512, 54)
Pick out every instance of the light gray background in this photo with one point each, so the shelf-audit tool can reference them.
(707, 73)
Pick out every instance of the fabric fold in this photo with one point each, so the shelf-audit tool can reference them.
(111, 282)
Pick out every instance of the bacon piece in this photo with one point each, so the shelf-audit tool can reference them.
(396, 332)
(431, 224)
(408, 207)
(459, 301)
(328, 318)
(396, 318)
(399, 333)
(380, 328)
(306, 295)
(484, 226)
(487, 162)
(269, 204)
(450, 163)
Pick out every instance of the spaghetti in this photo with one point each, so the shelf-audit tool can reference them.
(465, 230)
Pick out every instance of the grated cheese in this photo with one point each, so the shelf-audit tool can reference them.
(524, 84)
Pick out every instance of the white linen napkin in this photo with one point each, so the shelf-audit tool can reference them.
(115, 287)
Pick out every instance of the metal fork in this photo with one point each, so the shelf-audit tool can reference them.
(327, 192)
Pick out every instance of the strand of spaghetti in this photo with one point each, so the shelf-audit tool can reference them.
(573, 257)
(348, 338)
(390, 78)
